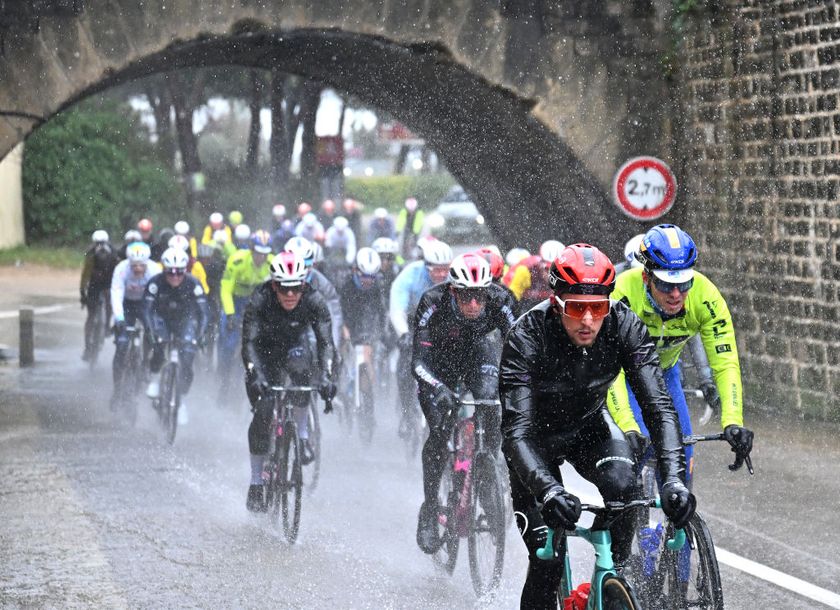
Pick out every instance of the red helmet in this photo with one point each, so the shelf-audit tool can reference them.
(496, 262)
(303, 209)
(145, 225)
(582, 269)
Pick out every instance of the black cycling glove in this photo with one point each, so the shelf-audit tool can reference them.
(560, 509)
(711, 395)
(639, 444)
(678, 503)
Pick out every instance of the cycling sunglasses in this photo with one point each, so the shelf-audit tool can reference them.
(577, 308)
(466, 295)
(296, 289)
(176, 272)
(667, 287)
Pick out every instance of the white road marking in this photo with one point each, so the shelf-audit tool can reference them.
(38, 311)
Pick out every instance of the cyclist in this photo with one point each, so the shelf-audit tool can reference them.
(302, 210)
(630, 249)
(244, 271)
(319, 282)
(327, 214)
(451, 346)
(528, 279)
(174, 310)
(194, 266)
(558, 362)
(676, 302)
(182, 227)
(162, 243)
(408, 287)
(278, 215)
(222, 242)
(235, 219)
(217, 223)
(382, 225)
(128, 285)
(131, 236)
(282, 234)
(144, 225)
(353, 214)
(515, 255)
(496, 262)
(340, 250)
(309, 228)
(278, 318)
(387, 249)
(409, 224)
(362, 303)
(100, 260)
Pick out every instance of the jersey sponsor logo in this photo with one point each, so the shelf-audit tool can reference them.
(718, 328)
(198, 290)
(710, 305)
(672, 340)
(424, 319)
(153, 288)
(490, 370)
(723, 348)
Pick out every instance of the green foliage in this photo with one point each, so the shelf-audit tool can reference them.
(91, 167)
(390, 192)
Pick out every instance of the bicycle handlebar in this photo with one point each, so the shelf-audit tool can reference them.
(302, 388)
(740, 460)
(546, 553)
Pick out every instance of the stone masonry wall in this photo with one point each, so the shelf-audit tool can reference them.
(761, 134)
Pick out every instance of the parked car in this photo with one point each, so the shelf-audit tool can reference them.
(457, 221)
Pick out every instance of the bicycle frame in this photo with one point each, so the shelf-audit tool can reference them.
(601, 541)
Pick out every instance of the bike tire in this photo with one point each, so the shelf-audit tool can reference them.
(312, 473)
(448, 496)
(98, 333)
(169, 401)
(616, 594)
(699, 586)
(486, 539)
(291, 477)
(130, 384)
(367, 423)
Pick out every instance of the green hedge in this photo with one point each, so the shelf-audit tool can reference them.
(390, 192)
(93, 167)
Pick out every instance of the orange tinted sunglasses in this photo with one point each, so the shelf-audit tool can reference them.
(576, 309)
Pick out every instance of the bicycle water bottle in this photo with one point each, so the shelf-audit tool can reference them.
(578, 599)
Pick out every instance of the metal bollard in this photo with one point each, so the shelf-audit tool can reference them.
(27, 337)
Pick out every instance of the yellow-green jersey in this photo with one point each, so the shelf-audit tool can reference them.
(706, 313)
(241, 278)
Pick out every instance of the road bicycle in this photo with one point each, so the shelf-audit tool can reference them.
(169, 400)
(284, 468)
(670, 579)
(471, 500)
(363, 394)
(606, 590)
(131, 379)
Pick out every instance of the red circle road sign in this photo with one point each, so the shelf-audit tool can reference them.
(644, 188)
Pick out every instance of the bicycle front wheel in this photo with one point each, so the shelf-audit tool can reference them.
(367, 424)
(313, 471)
(169, 401)
(692, 576)
(616, 594)
(448, 496)
(291, 482)
(486, 540)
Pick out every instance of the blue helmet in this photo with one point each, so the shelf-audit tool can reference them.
(261, 242)
(667, 248)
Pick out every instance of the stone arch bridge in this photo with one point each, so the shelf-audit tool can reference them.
(531, 104)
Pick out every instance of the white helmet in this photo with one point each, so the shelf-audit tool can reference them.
(435, 252)
(242, 232)
(220, 236)
(494, 249)
(278, 211)
(100, 236)
(515, 255)
(217, 220)
(179, 242)
(288, 269)
(182, 227)
(368, 261)
(551, 250)
(309, 219)
(138, 252)
(380, 213)
(630, 249)
(302, 246)
(173, 258)
(132, 235)
(340, 223)
(385, 245)
(469, 271)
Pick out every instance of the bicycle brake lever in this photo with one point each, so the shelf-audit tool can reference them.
(740, 461)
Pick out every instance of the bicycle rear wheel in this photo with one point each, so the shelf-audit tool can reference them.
(448, 496)
(291, 482)
(691, 577)
(129, 386)
(486, 540)
(617, 595)
(97, 332)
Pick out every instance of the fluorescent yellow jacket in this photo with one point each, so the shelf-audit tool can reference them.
(241, 278)
(207, 235)
(198, 272)
(705, 313)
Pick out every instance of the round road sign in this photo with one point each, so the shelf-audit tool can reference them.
(644, 188)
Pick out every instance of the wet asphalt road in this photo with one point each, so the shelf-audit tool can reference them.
(94, 513)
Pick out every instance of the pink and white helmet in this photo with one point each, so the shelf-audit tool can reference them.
(469, 271)
(288, 269)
